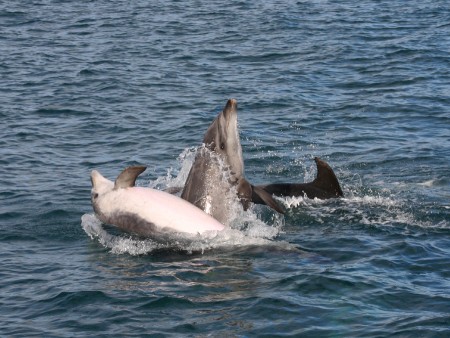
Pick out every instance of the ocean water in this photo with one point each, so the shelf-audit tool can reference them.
(365, 85)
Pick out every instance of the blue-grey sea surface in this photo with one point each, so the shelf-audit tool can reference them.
(364, 85)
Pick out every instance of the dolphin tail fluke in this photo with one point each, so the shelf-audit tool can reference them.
(127, 177)
(326, 179)
(260, 196)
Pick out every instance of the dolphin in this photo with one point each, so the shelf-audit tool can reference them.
(326, 185)
(144, 211)
(206, 186)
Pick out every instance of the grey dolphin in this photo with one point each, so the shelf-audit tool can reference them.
(326, 185)
(205, 185)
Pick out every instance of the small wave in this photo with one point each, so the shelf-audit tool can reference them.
(428, 183)
(435, 182)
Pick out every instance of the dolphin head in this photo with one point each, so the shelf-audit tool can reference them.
(222, 137)
(100, 187)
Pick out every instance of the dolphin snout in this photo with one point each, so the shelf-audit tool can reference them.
(232, 103)
(95, 173)
(230, 107)
(95, 177)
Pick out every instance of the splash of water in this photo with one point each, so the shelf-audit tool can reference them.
(371, 210)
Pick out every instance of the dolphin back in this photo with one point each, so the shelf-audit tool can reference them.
(325, 186)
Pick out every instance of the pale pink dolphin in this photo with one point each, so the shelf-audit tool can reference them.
(145, 211)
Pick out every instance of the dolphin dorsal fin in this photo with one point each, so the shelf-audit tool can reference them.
(326, 179)
(127, 178)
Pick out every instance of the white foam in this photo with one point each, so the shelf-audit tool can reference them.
(370, 210)
(295, 202)
(373, 201)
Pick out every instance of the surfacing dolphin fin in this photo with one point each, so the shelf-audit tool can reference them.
(325, 186)
(260, 196)
(127, 178)
(249, 193)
